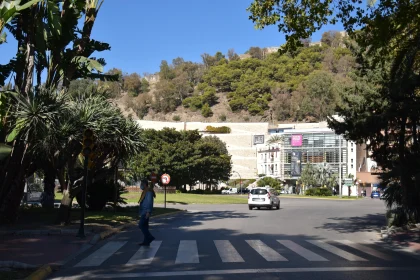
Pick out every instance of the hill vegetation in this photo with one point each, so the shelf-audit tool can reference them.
(257, 86)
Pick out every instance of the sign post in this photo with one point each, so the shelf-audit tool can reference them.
(165, 179)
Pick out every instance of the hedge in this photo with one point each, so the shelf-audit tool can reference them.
(221, 129)
(318, 192)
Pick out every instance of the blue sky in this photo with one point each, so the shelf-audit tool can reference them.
(142, 33)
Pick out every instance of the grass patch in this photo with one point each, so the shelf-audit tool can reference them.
(189, 198)
(39, 218)
(16, 273)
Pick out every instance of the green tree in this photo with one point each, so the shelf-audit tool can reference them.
(308, 176)
(269, 181)
(166, 72)
(132, 84)
(256, 52)
(206, 111)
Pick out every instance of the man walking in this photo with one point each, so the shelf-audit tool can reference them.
(146, 207)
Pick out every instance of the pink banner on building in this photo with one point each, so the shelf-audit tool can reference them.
(296, 140)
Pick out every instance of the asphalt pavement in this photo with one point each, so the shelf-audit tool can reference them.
(319, 239)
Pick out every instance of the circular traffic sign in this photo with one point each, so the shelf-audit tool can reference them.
(165, 178)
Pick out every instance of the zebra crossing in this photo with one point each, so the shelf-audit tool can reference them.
(188, 252)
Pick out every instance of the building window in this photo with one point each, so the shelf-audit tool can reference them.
(352, 150)
(351, 160)
(351, 166)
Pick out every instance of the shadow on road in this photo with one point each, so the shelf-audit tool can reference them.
(367, 223)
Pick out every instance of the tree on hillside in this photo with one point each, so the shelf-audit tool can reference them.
(256, 52)
(331, 38)
(132, 84)
(232, 55)
(166, 72)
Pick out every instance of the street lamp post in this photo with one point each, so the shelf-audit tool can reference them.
(240, 181)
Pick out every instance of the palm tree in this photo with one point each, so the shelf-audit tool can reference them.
(65, 54)
(275, 139)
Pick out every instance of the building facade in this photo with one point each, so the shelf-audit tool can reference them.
(301, 146)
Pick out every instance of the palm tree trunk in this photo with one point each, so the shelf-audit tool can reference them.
(49, 186)
(12, 184)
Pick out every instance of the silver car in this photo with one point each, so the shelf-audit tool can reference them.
(263, 197)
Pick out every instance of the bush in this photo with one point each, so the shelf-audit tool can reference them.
(221, 129)
(318, 192)
(176, 118)
(178, 191)
(222, 117)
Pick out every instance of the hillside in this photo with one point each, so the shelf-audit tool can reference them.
(261, 85)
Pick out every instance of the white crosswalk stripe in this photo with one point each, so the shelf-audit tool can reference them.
(103, 253)
(337, 251)
(265, 251)
(187, 252)
(366, 250)
(145, 255)
(309, 255)
(227, 252)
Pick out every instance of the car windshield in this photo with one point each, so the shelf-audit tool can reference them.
(259, 191)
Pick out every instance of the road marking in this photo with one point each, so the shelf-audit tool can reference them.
(309, 255)
(145, 255)
(337, 251)
(227, 252)
(366, 250)
(91, 275)
(265, 251)
(187, 252)
(100, 255)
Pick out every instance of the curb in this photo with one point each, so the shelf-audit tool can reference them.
(40, 273)
(42, 232)
(332, 199)
(13, 264)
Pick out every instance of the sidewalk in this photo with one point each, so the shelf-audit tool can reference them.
(405, 239)
(40, 249)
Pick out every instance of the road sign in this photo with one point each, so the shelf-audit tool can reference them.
(165, 178)
(153, 177)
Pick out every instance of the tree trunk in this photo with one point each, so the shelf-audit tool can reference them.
(49, 186)
(12, 184)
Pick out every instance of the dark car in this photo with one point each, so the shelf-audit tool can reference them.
(375, 194)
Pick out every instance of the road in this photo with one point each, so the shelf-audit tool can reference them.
(320, 239)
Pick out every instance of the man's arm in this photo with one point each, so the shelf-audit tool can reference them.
(149, 203)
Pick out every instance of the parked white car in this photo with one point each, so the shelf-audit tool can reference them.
(263, 197)
(230, 191)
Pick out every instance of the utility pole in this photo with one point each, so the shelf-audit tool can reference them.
(339, 166)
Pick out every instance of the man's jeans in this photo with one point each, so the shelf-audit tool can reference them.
(144, 227)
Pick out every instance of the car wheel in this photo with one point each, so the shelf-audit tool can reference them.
(278, 206)
(271, 206)
(250, 207)
(258, 208)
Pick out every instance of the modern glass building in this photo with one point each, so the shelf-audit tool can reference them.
(299, 147)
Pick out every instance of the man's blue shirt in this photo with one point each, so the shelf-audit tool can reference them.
(147, 204)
